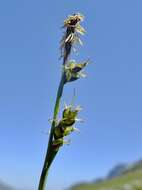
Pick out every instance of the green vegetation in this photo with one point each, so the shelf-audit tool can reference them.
(130, 179)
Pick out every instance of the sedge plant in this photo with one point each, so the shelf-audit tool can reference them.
(71, 71)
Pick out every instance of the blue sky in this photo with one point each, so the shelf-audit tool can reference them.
(111, 95)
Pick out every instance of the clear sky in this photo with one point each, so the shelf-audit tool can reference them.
(111, 95)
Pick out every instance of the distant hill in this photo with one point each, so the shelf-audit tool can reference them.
(121, 177)
(3, 186)
(117, 171)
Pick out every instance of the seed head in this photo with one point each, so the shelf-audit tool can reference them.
(71, 36)
(65, 125)
(72, 20)
(73, 70)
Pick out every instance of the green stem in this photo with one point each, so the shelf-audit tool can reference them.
(51, 152)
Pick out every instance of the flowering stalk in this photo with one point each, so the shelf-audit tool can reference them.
(70, 72)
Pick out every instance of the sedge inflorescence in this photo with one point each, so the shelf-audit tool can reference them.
(66, 124)
(72, 71)
(71, 35)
